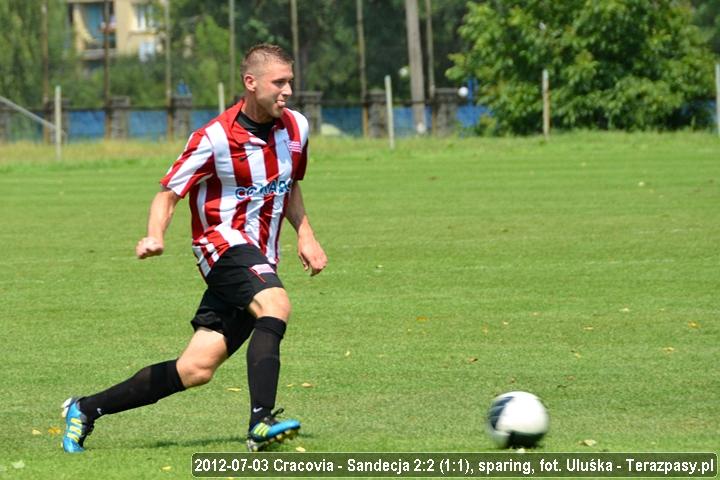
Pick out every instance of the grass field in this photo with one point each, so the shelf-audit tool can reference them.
(585, 270)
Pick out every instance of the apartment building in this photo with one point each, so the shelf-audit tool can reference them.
(132, 29)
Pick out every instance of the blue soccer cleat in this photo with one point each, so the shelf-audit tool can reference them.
(77, 426)
(270, 430)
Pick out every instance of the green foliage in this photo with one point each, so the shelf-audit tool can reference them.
(627, 64)
(707, 17)
(144, 83)
(328, 56)
(207, 65)
(21, 49)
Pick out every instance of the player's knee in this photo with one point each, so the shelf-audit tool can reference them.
(201, 377)
(282, 305)
(272, 302)
(194, 375)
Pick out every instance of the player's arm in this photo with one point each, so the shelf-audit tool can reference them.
(161, 212)
(310, 252)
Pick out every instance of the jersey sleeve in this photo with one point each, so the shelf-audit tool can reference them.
(192, 167)
(304, 137)
(302, 163)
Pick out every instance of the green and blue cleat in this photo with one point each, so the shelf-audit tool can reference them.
(271, 430)
(77, 426)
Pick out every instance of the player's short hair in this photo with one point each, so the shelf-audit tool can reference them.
(262, 53)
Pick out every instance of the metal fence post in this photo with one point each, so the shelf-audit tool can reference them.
(717, 96)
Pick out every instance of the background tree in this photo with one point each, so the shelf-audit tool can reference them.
(707, 17)
(21, 53)
(200, 36)
(327, 42)
(630, 65)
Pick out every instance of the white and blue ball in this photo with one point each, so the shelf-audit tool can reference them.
(517, 419)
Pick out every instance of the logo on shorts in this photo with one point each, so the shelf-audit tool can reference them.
(263, 268)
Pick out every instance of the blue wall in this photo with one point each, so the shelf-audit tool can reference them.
(152, 124)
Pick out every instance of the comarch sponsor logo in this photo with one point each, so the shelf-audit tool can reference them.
(277, 187)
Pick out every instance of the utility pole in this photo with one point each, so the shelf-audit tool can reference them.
(168, 65)
(296, 44)
(233, 92)
(361, 61)
(430, 50)
(46, 65)
(168, 72)
(416, 68)
(106, 66)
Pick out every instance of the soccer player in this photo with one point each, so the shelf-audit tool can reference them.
(241, 172)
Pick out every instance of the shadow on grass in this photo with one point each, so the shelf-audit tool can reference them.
(199, 442)
(219, 441)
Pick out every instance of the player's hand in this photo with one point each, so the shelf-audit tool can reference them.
(311, 255)
(149, 247)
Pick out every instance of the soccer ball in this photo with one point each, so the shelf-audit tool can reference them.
(517, 419)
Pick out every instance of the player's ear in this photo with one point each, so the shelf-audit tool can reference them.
(250, 82)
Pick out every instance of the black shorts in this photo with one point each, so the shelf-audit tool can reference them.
(234, 280)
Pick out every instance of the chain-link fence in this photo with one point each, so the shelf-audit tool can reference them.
(151, 124)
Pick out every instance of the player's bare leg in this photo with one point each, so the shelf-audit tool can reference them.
(205, 352)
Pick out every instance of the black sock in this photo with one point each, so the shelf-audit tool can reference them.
(147, 386)
(263, 366)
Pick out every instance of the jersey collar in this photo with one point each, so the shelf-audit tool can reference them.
(238, 132)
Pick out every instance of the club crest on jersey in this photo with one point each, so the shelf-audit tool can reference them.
(276, 187)
(294, 146)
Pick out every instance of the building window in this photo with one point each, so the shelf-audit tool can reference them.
(144, 19)
(146, 50)
(93, 25)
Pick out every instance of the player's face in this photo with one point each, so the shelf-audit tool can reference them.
(271, 87)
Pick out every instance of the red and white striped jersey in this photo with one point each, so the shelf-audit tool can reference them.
(239, 185)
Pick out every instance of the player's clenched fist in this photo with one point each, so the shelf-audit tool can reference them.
(148, 247)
